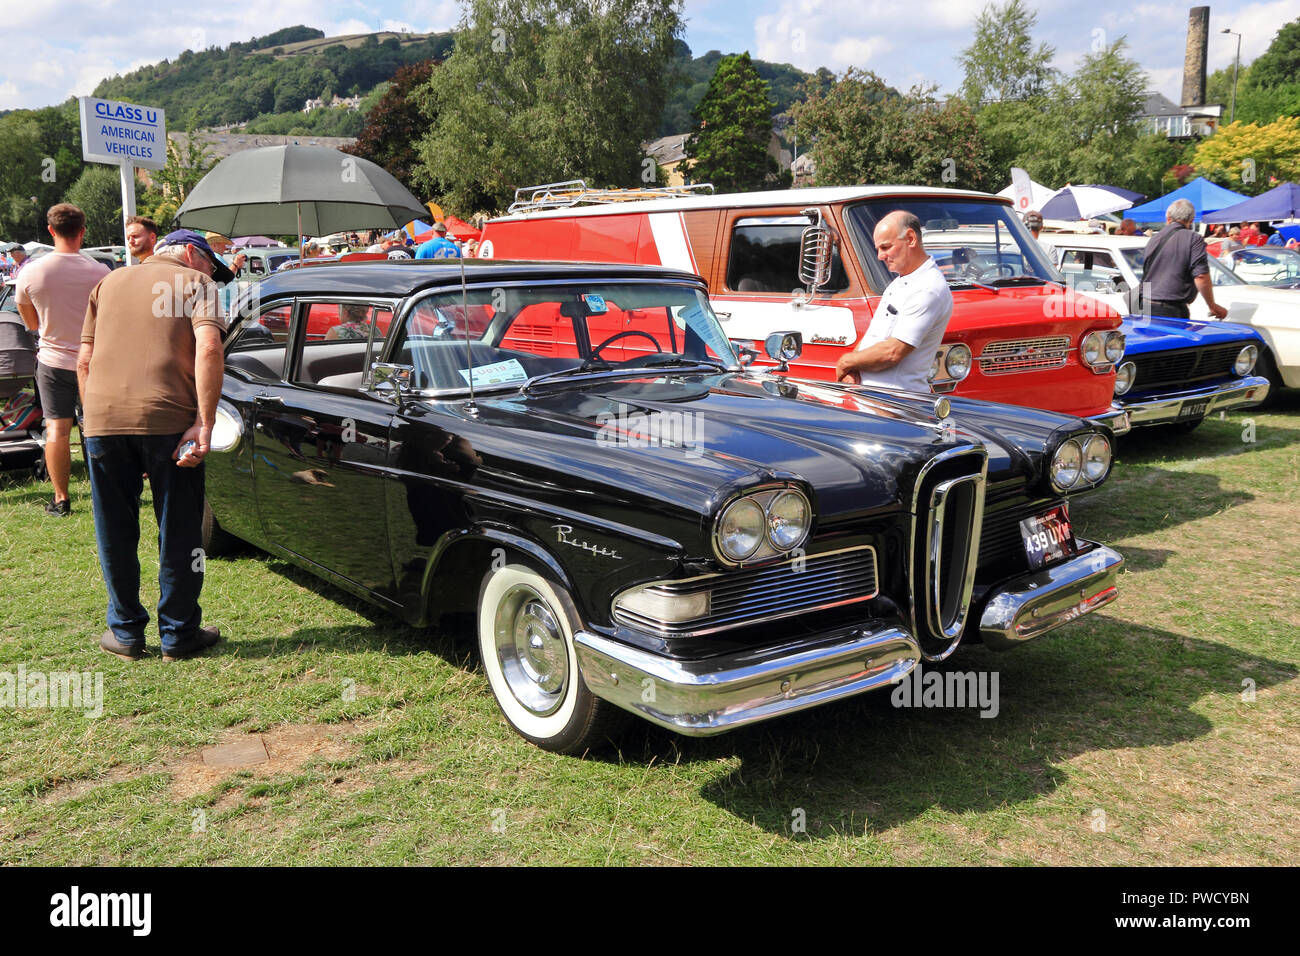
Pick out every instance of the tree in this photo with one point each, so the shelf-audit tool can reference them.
(98, 193)
(865, 132)
(544, 90)
(1002, 63)
(1095, 112)
(394, 125)
(732, 128)
(188, 161)
(1280, 63)
(1250, 158)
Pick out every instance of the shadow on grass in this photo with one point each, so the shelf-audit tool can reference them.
(1150, 499)
(865, 765)
(1214, 438)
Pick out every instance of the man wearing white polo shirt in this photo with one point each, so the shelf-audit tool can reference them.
(908, 324)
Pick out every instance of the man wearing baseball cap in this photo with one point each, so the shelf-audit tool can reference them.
(150, 372)
(439, 247)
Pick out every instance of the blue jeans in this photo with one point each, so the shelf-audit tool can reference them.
(117, 463)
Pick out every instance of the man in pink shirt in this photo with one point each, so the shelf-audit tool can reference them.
(52, 293)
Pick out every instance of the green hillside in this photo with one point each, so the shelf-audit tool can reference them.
(243, 81)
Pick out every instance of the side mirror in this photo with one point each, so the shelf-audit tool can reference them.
(816, 245)
(394, 380)
(783, 348)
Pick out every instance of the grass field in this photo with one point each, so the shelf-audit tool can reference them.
(1162, 730)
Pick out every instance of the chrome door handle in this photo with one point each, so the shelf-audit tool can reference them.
(268, 400)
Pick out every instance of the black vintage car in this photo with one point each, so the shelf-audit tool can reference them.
(574, 457)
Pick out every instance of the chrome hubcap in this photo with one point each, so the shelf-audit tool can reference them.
(531, 650)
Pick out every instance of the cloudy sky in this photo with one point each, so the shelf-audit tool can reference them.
(67, 46)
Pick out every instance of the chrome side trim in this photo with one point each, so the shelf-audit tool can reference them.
(1166, 407)
(701, 698)
(1033, 604)
(946, 612)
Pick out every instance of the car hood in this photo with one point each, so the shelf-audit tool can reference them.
(1261, 305)
(1155, 333)
(689, 441)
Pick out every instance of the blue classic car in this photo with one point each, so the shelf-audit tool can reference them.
(1177, 371)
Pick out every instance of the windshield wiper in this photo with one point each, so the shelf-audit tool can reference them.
(1018, 280)
(583, 369)
(963, 283)
(680, 361)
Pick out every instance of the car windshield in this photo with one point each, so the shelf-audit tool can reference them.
(1262, 266)
(972, 242)
(504, 336)
(1219, 274)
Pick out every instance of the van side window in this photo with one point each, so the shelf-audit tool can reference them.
(765, 256)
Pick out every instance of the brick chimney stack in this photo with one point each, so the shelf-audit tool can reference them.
(1198, 38)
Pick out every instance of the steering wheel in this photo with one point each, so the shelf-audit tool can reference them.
(996, 268)
(619, 335)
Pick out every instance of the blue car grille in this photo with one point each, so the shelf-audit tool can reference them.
(1185, 366)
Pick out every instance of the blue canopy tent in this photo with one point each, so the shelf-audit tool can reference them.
(1280, 202)
(1204, 195)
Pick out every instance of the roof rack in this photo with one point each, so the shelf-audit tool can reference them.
(575, 192)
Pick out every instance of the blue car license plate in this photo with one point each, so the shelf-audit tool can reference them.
(1193, 410)
(1048, 537)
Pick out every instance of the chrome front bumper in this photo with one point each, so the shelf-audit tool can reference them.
(1164, 408)
(701, 698)
(1035, 603)
(1117, 419)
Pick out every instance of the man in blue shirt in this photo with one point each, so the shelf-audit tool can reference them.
(439, 247)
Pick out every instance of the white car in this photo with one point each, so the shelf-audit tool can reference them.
(1274, 266)
(1106, 267)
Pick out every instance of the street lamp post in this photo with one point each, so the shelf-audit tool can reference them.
(1236, 62)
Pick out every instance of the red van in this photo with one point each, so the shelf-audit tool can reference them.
(803, 260)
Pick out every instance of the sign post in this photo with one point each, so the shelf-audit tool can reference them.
(126, 136)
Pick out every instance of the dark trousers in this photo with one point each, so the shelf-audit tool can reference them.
(116, 464)
(1173, 310)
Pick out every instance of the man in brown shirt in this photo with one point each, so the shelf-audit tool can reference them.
(150, 371)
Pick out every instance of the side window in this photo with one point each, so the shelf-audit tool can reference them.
(261, 343)
(341, 340)
(1087, 264)
(764, 256)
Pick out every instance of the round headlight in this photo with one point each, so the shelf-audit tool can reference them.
(1124, 376)
(1067, 465)
(741, 529)
(934, 367)
(787, 520)
(1096, 458)
(957, 361)
(1092, 348)
(1246, 359)
(1114, 347)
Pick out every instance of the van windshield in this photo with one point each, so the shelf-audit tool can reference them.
(972, 241)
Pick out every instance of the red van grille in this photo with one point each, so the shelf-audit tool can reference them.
(1024, 355)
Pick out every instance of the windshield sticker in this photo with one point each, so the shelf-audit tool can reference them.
(498, 373)
(595, 304)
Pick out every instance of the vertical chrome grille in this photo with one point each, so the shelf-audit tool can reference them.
(952, 547)
(947, 520)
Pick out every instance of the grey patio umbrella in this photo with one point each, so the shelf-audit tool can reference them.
(305, 190)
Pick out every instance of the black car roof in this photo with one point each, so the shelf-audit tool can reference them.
(402, 277)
